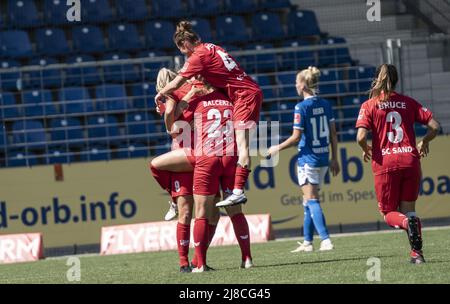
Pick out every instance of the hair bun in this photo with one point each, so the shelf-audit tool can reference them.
(314, 71)
(184, 26)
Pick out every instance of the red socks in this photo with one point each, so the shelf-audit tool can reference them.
(162, 177)
(241, 177)
(397, 220)
(201, 236)
(211, 232)
(242, 233)
(183, 238)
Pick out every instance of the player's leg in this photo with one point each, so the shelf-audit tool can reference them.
(242, 233)
(173, 161)
(185, 205)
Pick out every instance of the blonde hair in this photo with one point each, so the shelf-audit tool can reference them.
(164, 77)
(386, 79)
(310, 77)
(184, 32)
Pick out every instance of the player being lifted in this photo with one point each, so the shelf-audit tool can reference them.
(314, 128)
(395, 158)
(221, 71)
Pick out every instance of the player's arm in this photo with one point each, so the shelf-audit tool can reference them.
(433, 128)
(170, 87)
(334, 164)
(361, 138)
(293, 140)
(169, 114)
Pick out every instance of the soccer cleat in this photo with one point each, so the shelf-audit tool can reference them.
(417, 257)
(204, 268)
(326, 245)
(232, 200)
(306, 247)
(172, 213)
(185, 269)
(414, 235)
(248, 263)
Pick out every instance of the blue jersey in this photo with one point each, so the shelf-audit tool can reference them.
(313, 116)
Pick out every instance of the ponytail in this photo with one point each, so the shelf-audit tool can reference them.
(184, 32)
(164, 77)
(384, 83)
(310, 77)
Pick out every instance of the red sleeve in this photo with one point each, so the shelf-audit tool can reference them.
(422, 115)
(364, 117)
(192, 67)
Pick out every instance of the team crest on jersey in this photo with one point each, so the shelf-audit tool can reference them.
(297, 118)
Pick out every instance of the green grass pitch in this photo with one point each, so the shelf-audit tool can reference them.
(273, 264)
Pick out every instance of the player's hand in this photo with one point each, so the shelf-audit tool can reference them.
(367, 154)
(334, 167)
(423, 148)
(272, 151)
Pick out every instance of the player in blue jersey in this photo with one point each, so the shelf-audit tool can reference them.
(314, 130)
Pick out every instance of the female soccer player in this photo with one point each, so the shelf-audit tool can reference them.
(313, 122)
(395, 158)
(221, 71)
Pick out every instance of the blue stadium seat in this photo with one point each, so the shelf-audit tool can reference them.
(266, 85)
(23, 13)
(334, 56)
(348, 133)
(360, 79)
(267, 26)
(303, 23)
(111, 97)
(75, 100)
(143, 94)
(298, 60)
(30, 133)
(205, 7)
(140, 126)
(87, 75)
(286, 81)
(158, 34)
(88, 39)
(351, 104)
(3, 139)
(67, 129)
(132, 150)
(10, 80)
(38, 103)
(51, 41)
(55, 12)
(96, 11)
(57, 154)
(131, 10)
(231, 29)
(102, 128)
(18, 158)
(164, 8)
(202, 28)
(9, 108)
(285, 111)
(124, 37)
(331, 83)
(152, 68)
(239, 6)
(274, 4)
(15, 44)
(120, 72)
(47, 78)
(259, 63)
(98, 152)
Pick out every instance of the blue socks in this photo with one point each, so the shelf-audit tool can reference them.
(308, 225)
(318, 218)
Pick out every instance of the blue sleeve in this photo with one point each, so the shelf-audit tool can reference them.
(298, 118)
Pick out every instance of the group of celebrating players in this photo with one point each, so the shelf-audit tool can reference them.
(211, 104)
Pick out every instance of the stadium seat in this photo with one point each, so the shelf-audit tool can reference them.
(88, 39)
(164, 8)
(3, 139)
(239, 6)
(15, 44)
(10, 80)
(111, 97)
(158, 34)
(124, 37)
(38, 103)
(348, 133)
(67, 130)
(132, 150)
(231, 29)
(75, 100)
(267, 26)
(98, 152)
(57, 154)
(298, 60)
(45, 78)
(334, 56)
(121, 72)
(30, 133)
(351, 104)
(285, 111)
(102, 129)
(51, 42)
(330, 83)
(202, 28)
(303, 23)
(139, 126)
(87, 75)
(266, 85)
(18, 158)
(143, 94)
(360, 79)
(204, 7)
(96, 11)
(9, 108)
(23, 13)
(55, 12)
(131, 10)
(259, 63)
(286, 81)
(152, 68)
(274, 4)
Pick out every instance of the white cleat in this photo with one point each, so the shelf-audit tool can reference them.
(304, 247)
(198, 269)
(326, 245)
(233, 199)
(172, 213)
(248, 263)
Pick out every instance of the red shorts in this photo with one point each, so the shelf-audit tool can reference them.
(395, 186)
(210, 173)
(182, 184)
(247, 107)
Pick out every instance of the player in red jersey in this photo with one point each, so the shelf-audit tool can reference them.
(395, 158)
(221, 71)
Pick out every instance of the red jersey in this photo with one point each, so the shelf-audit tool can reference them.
(213, 127)
(392, 126)
(219, 69)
